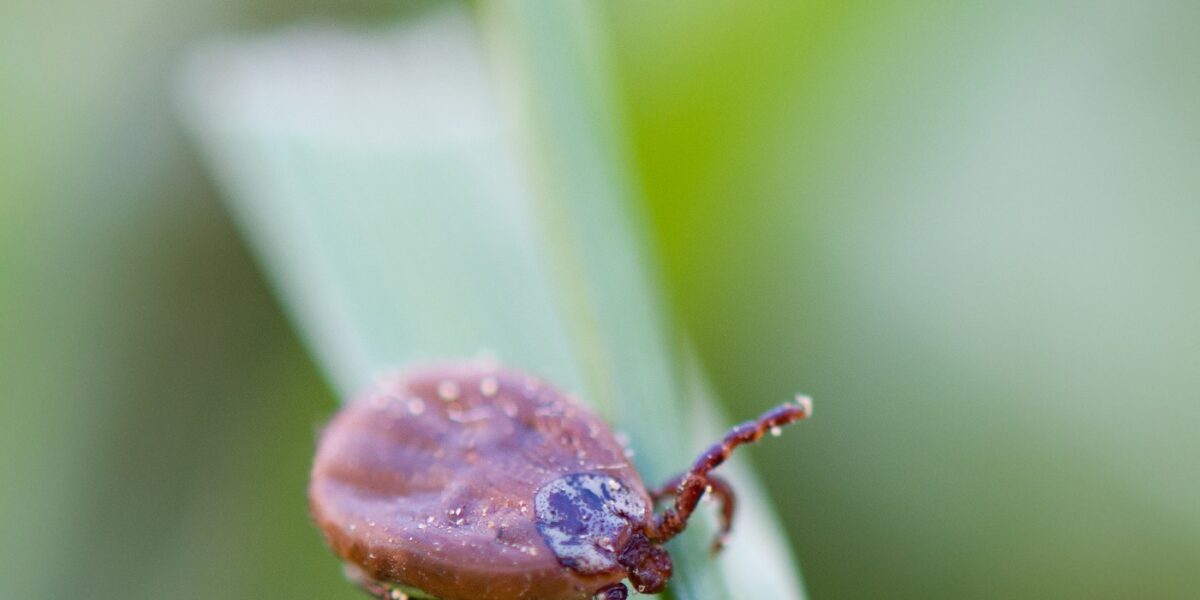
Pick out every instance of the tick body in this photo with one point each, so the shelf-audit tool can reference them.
(467, 481)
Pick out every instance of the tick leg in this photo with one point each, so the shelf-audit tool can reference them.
(690, 486)
(721, 491)
(367, 584)
(616, 591)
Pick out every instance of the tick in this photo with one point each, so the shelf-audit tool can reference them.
(468, 481)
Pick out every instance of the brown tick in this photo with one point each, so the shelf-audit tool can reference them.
(471, 482)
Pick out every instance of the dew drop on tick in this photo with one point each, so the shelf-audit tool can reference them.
(488, 386)
(416, 405)
(448, 390)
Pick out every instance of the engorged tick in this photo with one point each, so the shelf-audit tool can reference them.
(466, 481)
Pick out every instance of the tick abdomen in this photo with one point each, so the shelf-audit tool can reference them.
(432, 480)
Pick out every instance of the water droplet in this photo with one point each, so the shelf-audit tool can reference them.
(416, 405)
(448, 390)
(805, 404)
(488, 386)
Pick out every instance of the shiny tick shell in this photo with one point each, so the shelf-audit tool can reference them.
(470, 482)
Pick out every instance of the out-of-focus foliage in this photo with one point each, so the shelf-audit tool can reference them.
(969, 229)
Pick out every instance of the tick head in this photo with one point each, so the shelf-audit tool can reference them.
(647, 564)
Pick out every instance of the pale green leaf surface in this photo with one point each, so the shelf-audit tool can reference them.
(373, 177)
(402, 219)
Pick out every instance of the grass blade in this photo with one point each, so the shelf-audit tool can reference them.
(401, 219)
(556, 65)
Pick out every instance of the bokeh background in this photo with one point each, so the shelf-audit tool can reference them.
(971, 230)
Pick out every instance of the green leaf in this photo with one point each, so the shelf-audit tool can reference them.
(407, 210)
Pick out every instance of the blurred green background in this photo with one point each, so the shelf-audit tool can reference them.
(970, 230)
